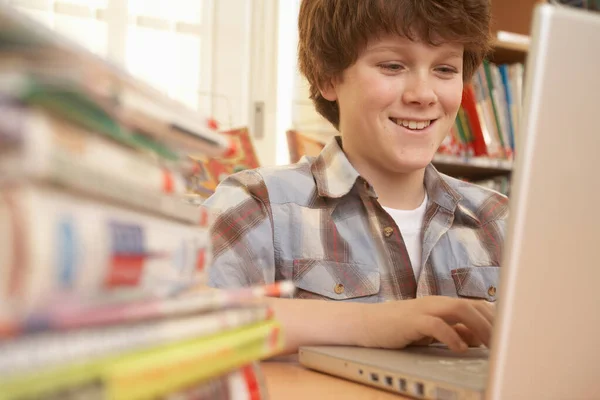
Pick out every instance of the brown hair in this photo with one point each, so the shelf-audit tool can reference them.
(333, 32)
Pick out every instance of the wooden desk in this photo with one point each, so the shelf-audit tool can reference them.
(288, 380)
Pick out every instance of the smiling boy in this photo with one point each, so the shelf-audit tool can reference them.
(384, 250)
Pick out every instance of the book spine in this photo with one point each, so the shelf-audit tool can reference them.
(485, 112)
(515, 75)
(469, 105)
(182, 365)
(501, 109)
(244, 383)
(49, 148)
(503, 69)
(492, 95)
(156, 372)
(66, 244)
(34, 353)
(66, 315)
(196, 135)
(466, 128)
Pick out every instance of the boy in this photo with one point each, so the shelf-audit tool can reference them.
(408, 255)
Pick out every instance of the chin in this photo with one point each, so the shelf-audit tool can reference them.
(415, 162)
(407, 167)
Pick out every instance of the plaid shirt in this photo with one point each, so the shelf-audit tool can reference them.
(319, 224)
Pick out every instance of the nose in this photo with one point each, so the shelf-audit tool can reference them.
(419, 90)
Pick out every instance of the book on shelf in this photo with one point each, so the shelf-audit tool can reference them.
(484, 136)
(104, 249)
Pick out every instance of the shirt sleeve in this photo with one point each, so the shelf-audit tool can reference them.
(241, 232)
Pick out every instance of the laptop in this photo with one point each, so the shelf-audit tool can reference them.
(544, 344)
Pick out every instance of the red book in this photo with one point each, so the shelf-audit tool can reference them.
(468, 104)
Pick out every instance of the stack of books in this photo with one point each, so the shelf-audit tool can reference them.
(103, 255)
(488, 119)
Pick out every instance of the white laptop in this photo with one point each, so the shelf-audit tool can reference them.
(545, 341)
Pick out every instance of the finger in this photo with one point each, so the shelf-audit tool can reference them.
(487, 309)
(462, 311)
(426, 341)
(428, 326)
(467, 336)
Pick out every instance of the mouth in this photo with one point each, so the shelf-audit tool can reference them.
(413, 125)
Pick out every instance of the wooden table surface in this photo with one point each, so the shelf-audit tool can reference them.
(288, 380)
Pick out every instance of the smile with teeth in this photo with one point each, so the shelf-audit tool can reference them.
(414, 125)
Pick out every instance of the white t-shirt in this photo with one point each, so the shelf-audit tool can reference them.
(410, 223)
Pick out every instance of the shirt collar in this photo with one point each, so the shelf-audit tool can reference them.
(335, 177)
(439, 191)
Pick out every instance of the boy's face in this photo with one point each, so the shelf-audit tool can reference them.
(397, 103)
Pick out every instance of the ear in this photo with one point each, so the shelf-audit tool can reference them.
(328, 91)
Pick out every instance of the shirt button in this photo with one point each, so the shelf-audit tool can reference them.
(388, 231)
(492, 291)
(339, 288)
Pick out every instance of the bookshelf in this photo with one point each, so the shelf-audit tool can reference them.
(511, 25)
(513, 15)
(508, 52)
(471, 168)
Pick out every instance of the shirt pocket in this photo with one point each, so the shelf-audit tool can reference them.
(477, 282)
(323, 279)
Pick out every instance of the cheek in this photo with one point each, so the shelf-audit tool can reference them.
(451, 97)
(377, 92)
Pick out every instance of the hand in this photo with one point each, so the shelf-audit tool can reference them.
(457, 323)
(465, 334)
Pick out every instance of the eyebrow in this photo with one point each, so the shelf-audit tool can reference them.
(401, 48)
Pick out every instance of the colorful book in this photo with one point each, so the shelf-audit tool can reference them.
(66, 314)
(470, 108)
(156, 372)
(491, 93)
(486, 115)
(501, 107)
(35, 353)
(123, 113)
(515, 77)
(508, 97)
(42, 146)
(54, 242)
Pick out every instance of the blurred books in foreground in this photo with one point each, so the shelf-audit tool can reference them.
(102, 252)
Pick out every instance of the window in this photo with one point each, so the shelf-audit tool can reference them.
(161, 40)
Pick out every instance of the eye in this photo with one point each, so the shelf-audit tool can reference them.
(393, 67)
(447, 70)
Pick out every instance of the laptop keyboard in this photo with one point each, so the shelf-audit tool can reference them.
(473, 364)
(464, 367)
